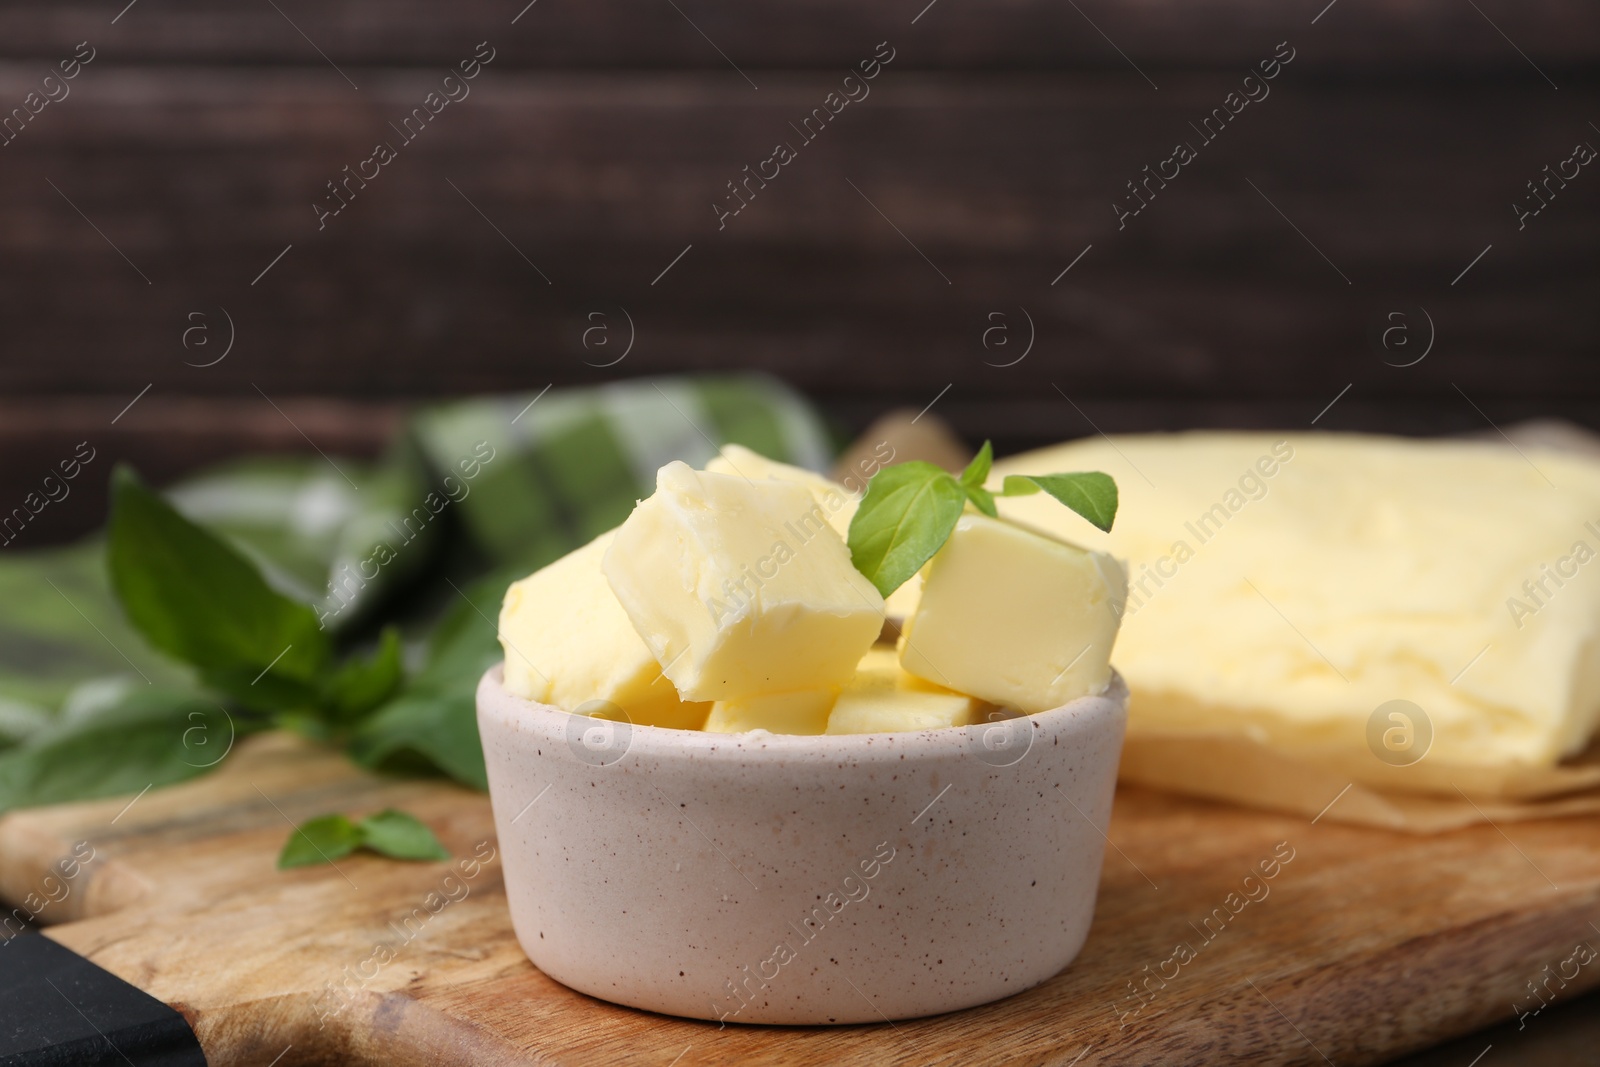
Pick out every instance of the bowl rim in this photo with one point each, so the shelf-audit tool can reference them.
(1082, 715)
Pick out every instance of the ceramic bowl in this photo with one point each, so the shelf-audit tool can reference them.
(768, 878)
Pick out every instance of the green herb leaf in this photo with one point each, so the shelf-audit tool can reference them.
(1090, 493)
(60, 626)
(974, 476)
(320, 840)
(147, 737)
(193, 596)
(905, 517)
(910, 509)
(389, 833)
(362, 684)
(983, 500)
(977, 471)
(401, 836)
(433, 723)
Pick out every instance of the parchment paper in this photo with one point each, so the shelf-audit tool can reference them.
(1236, 768)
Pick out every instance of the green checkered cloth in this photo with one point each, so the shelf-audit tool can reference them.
(501, 484)
(570, 465)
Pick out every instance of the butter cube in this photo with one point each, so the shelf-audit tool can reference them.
(779, 713)
(568, 643)
(661, 707)
(1015, 617)
(838, 505)
(740, 587)
(884, 698)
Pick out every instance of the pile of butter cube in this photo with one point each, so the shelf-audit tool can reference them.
(727, 602)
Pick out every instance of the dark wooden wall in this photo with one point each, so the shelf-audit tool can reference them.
(591, 149)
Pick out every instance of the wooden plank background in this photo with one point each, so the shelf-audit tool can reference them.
(986, 158)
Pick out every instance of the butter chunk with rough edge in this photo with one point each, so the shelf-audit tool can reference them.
(885, 698)
(569, 644)
(740, 587)
(804, 712)
(1015, 617)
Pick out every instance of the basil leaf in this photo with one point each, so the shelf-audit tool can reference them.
(906, 516)
(320, 840)
(193, 596)
(362, 684)
(20, 721)
(148, 737)
(977, 471)
(1090, 493)
(983, 500)
(263, 690)
(433, 723)
(60, 625)
(401, 836)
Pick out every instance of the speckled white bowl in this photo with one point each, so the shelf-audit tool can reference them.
(767, 878)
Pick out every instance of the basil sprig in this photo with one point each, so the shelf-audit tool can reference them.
(910, 509)
(252, 658)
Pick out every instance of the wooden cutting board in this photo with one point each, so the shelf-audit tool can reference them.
(1363, 944)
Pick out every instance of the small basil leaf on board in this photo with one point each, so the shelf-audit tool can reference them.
(320, 840)
(977, 471)
(905, 517)
(360, 685)
(1090, 493)
(400, 836)
(195, 597)
(389, 833)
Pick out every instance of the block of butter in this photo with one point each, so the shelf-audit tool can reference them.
(884, 698)
(1288, 585)
(838, 505)
(1014, 616)
(568, 643)
(740, 587)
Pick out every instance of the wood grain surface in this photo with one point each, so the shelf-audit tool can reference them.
(1359, 946)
